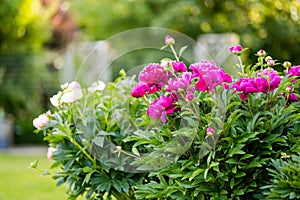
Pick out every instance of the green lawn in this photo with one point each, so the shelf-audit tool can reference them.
(18, 182)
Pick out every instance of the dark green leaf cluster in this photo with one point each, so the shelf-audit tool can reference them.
(285, 181)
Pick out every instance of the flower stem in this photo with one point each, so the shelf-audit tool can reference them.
(174, 52)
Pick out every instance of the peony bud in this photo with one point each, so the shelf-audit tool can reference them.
(210, 131)
(169, 40)
(236, 49)
(287, 64)
(117, 149)
(261, 53)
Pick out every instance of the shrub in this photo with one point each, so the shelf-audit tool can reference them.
(179, 133)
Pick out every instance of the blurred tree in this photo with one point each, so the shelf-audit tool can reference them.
(268, 24)
(25, 80)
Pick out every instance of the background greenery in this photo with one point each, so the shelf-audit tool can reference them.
(20, 182)
(28, 33)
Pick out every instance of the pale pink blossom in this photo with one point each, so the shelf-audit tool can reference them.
(97, 86)
(70, 96)
(50, 152)
(55, 99)
(40, 121)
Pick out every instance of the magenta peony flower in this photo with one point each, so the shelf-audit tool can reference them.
(169, 40)
(154, 73)
(190, 94)
(160, 108)
(40, 121)
(236, 49)
(140, 89)
(272, 77)
(294, 71)
(209, 76)
(292, 98)
(246, 86)
(179, 66)
(180, 83)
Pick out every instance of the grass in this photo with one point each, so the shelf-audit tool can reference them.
(18, 181)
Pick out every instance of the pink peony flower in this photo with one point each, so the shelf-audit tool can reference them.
(160, 108)
(236, 49)
(292, 98)
(169, 40)
(180, 83)
(294, 70)
(246, 86)
(40, 121)
(272, 80)
(179, 66)
(140, 89)
(154, 73)
(50, 152)
(209, 76)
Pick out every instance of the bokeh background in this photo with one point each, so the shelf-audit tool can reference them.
(36, 35)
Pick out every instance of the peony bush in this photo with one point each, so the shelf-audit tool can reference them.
(178, 132)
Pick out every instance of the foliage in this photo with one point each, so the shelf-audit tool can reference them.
(24, 25)
(24, 77)
(260, 24)
(285, 178)
(179, 133)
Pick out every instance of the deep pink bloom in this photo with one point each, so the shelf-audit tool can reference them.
(190, 94)
(246, 86)
(292, 98)
(179, 83)
(236, 49)
(209, 75)
(179, 66)
(160, 108)
(294, 71)
(154, 73)
(140, 89)
(169, 40)
(272, 78)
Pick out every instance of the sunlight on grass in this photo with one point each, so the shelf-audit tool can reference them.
(18, 181)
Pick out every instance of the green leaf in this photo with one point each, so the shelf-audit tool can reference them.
(231, 184)
(196, 173)
(240, 174)
(182, 49)
(236, 150)
(135, 151)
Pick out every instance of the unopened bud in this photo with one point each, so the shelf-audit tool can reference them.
(261, 53)
(117, 149)
(287, 64)
(210, 131)
(169, 40)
